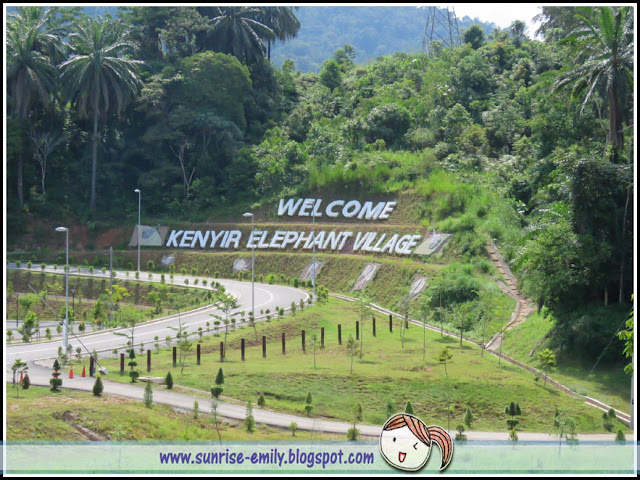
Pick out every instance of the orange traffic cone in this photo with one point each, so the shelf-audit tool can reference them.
(71, 372)
(83, 374)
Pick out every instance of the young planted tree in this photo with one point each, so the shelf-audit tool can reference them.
(314, 343)
(249, 421)
(409, 408)
(513, 410)
(565, 427)
(391, 408)
(214, 417)
(26, 382)
(133, 373)
(217, 390)
(445, 357)
(363, 313)
(293, 426)
(468, 417)
(352, 346)
(547, 360)
(460, 436)
(55, 382)
(608, 418)
(18, 367)
(353, 433)
(308, 407)
(148, 395)
(261, 401)
(98, 387)
(168, 381)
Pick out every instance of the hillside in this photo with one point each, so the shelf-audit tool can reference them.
(372, 31)
(494, 140)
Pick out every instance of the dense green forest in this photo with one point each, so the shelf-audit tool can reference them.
(526, 142)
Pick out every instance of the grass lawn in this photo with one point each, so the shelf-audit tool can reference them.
(607, 384)
(387, 372)
(40, 415)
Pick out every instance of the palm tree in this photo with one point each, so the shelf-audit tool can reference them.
(33, 48)
(282, 21)
(98, 79)
(605, 66)
(239, 31)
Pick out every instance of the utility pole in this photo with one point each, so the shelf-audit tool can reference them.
(313, 259)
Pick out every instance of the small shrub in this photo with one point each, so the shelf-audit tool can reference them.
(409, 408)
(249, 421)
(353, 433)
(460, 436)
(148, 395)
(293, 426)
(98, 387)
(168, 381)
(620, 438)
(261, 401)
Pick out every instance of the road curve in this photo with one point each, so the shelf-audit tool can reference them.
(40, 376)
(266, 297)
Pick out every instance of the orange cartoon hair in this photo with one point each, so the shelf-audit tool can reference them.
(425, 434)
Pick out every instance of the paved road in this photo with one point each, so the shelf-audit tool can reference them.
(40, 376)
(266, 297)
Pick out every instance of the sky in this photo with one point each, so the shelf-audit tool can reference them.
(502, 14)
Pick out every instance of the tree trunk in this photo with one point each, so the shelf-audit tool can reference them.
(615, 136)
(624, 224)
(20, 195)
(94, 160)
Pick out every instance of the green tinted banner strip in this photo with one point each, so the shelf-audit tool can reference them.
(309, 458)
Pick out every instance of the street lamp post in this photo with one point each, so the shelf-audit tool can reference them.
(137, 190)
(313, 258)
(65, 329)
(253, 261)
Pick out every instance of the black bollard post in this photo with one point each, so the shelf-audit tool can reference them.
(91, 366)
(122, 364)
(198, 353)
(321, 337)
(357, 330)
(339, 334)
(148, 361)
(374, 326)
(242, 348)
(175, 356)
(390, 323)
(264, 346)
(222, 351)
(284, 350)
(304, 349)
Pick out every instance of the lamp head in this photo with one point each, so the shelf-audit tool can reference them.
(247, 214)
(137, 190)
(61, 229)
